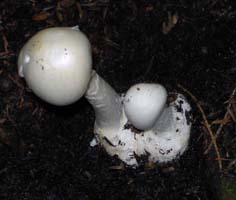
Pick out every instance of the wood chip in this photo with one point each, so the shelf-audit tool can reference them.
(41, 16)
(172, 21)
(2, 121)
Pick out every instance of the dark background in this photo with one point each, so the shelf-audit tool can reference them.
(44, 150)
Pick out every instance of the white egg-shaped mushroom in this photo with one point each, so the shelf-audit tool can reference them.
(57, 64)
(144, 103)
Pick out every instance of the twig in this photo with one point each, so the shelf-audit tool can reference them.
(16, 82)
(232, 163)
(6, 55)
(5, 42)
(232, 115)
(79, 8)
(207, 125)
(227, 115)
(217, 132)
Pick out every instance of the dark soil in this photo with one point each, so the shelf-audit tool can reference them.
(44, 150)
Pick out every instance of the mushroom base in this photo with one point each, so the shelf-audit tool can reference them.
(166, 141)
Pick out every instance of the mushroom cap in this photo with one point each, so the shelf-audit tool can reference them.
(144, 103)
(57, 64)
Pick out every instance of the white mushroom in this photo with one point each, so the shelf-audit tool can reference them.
(144, 103)
(57, 66)
(161, 133)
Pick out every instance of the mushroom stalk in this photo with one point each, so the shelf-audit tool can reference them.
(105, 101)
(165, 122)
